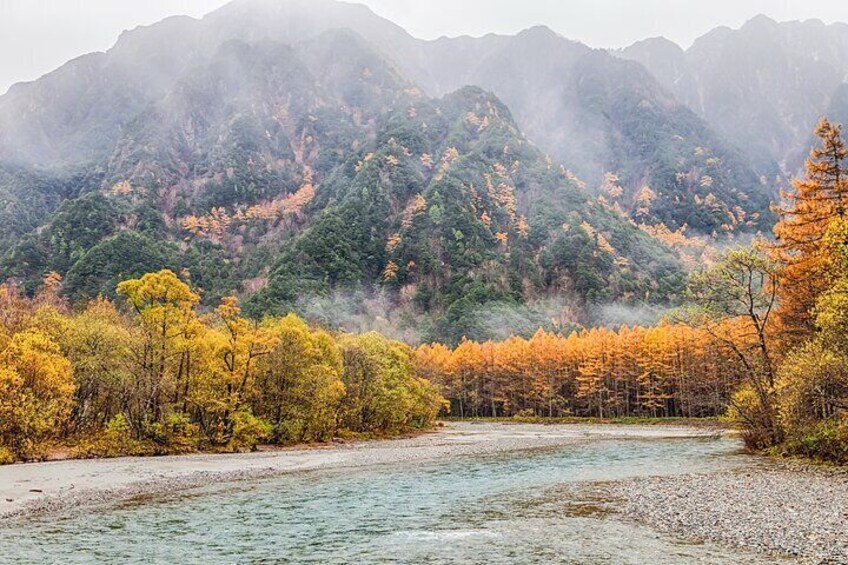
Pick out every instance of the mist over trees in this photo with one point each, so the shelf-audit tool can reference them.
(214, 232)
(156, 376)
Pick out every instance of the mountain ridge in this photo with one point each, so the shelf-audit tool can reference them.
(282, 152)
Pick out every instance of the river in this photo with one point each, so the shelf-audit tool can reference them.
(544, 504)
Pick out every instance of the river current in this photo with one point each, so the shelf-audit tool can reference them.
(518, 507)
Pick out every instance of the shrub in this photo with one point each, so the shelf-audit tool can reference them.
(115, 440)
(248, 430)
(747, 413)
(825, 441)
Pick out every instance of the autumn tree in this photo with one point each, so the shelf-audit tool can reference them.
(383, 393)
(36, 392)
(809, 208)
(299, 382)
(244, 343)
(736, 300)
(813, 379)
(97, 341)
(161, 354)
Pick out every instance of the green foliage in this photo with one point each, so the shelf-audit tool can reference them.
(77, 226)
(441, 204)
(825, 440)
(383, 394)
(464, 213)
(123, 256)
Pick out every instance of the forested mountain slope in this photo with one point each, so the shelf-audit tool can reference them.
(762, 86)
(293, 150)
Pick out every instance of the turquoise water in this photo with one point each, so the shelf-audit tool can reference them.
(514, 508)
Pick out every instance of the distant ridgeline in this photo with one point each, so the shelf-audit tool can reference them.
(339, 168)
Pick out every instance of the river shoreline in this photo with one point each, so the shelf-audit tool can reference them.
(785, 507)
(773, 508)
(31, 489)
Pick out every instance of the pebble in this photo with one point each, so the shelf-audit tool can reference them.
(786, 509)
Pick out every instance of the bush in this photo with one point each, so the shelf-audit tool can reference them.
(116, 440)
(6, 456)
(825, 441)
(755, 423)
(36, 393)
(248, 430)
(527, 416)
(181, 435)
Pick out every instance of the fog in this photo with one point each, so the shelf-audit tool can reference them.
(38, 36)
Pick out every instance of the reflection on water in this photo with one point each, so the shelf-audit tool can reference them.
(521, 508)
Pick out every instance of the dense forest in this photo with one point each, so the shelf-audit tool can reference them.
(155, 376)
(761, 340)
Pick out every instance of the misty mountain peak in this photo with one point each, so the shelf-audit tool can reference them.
(658, 44)
(760, 21)
(539, 31)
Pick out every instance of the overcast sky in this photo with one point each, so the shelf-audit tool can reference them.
(36, 36)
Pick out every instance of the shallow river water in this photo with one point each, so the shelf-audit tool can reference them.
(510, 508)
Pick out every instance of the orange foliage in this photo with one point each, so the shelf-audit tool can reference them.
(809, 208)
(667, 370)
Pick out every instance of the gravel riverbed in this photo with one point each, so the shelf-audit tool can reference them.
(782, 508)
(753, 503)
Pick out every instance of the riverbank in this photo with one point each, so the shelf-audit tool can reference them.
(701, 494)
(39, 488)
(787, 508)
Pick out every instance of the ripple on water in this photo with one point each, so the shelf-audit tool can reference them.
(544, 506)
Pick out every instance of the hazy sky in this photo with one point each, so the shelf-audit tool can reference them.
(36, 36)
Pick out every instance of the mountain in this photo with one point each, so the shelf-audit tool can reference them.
(453, 209)
(762, 86)
(301, 151)
(600, 115)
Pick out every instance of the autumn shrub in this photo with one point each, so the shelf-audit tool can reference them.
(747, 413)
(178, 434)
(36, 393)
(248, 431)
(6, 456)
(115, 440)
(812, 383)
(528, 415)
(826, 440)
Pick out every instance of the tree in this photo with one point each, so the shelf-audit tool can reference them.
(815, 202)
(162, 354)
(736, 300)
(97, 341)
(383, 393)
(36, 392)
(300, 386)
(245, 343)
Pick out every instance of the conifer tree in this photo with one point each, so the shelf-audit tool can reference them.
(815, 202)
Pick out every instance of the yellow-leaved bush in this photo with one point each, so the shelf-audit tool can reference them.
(153, 375)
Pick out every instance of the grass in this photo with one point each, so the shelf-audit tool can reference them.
(626, 421)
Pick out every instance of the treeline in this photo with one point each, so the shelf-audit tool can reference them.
(791, 295)
(764, 339)
(672, 370)
(151, 375)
